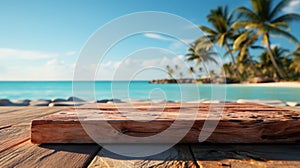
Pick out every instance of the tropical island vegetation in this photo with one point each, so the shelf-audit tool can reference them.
(241, 33)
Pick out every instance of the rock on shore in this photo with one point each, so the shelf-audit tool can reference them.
(169, 81)
(40, 102)
(75, 101)
(264, 102)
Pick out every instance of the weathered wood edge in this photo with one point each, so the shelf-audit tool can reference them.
(253, 129)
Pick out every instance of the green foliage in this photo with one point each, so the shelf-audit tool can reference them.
(238, 33)
(265, 20)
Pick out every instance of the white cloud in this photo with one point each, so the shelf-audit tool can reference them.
(166, 38)
(19, 64)
(10, 53)
(70, 53)
(132, 68)
(52, 69)
(33, 65)
(293, 7)
(158, 36)
(140, 68)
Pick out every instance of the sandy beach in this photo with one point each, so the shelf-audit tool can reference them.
(272, 84)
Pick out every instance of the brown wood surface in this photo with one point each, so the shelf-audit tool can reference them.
(16, 150)
(239, 123)
(26, 154)
(14, 135)
(244, 155)
(55, 155)
(15, 122)
(24, 114)
(177, 156)
(8, 109)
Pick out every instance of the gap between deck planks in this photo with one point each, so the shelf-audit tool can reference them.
(239, 123)
(176, 156)
(246, 155)
(208, 156)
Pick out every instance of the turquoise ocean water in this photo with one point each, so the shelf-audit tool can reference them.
(143, 90)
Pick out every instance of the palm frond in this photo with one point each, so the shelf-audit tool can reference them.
(244, 24)
(240, 39)
(278, 31)
(284, 25)
(279, 7)
(290, 17)
(257, 47)
(227, 53)
(208, 30)
(221, 39)
(246, 13)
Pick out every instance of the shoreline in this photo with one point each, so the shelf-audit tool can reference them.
(270, 84)
(74, 101)
(71, 100)
(285, 84)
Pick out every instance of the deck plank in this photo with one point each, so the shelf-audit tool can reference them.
(242, 155)
(14, 135)
(7, 109)
(79, 155)
(177, 156)
(239, 123)
(24, 114)
(17, 129)
(16, 150)
(54, 155)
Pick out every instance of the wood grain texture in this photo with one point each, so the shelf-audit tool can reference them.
(239, 123)
(7, 109)
(29, 155)
(14, 135)
(24, 114)
(177, 156)
(245, 155)
(17, 128)
(17, 151)
(25, 154)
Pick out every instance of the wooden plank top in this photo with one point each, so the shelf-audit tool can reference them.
(25, 154)
(235, 123)
(171, 112)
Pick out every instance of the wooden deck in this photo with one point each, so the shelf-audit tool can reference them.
(16, 150)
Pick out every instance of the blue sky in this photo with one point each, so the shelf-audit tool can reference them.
(41, 40)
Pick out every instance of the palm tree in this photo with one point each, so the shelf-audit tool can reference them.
(280, 57)
(191, 71)
(295, 65)
(180, 75)
(221, 33)
(170, 71)
(227, 70)
(176, 67)
(242, 42)
(200, 54)
(266, 20)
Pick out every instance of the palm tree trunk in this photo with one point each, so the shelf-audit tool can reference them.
(252, 64)
(272, 57)
(232, 58)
